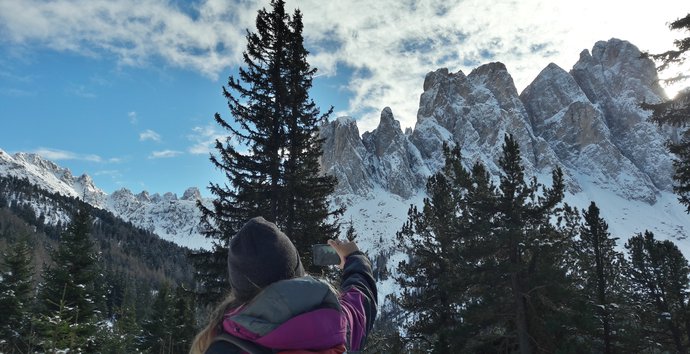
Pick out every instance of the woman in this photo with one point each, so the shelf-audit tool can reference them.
(274, 304)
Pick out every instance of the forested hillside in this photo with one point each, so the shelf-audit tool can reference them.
(132, 283)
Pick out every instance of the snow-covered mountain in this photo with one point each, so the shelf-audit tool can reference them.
(587, 121)
(172, 218)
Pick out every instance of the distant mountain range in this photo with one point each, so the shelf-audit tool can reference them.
(172, 218)
(586, 120)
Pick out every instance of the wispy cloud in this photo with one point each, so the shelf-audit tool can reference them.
(164, 154)
(112, 173)
(204, 139)
(15, 92)
(149, 134)
(133, 118)
(57, 155)
(205, 36)
(5, 74)
(388, 48)
(81, 91)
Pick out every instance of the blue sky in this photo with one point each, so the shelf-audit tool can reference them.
(125, 90)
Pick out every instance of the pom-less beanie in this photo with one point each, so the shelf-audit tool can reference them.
(259, 255)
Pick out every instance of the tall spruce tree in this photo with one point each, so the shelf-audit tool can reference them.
(184, 321)
(600, 267)
(16, 298)
(430, 238)
(676, 111)
(529, 257)
(158, 330)
(70, 293)
(306, 210)
(271, 157)
(126, 328)
(659, 273)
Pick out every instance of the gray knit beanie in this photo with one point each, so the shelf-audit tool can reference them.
(259, 255)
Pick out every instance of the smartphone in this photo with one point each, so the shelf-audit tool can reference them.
(324, 255)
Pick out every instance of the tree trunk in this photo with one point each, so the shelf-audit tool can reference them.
(601, 292)
(520, 315)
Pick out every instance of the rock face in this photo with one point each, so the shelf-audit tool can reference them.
(477, 110)
(617, 79)
(393, 160)
(344, 156)
(383, 158)
(587, 122)
(577, 131)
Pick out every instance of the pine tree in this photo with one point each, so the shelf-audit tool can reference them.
(307, 214)
(126, 328)
(659, 272)
(170, 327)
(271, 159)
(158, 330)
(600, 266)
(431, 280)
(530, 266)
(676, 112)
(69, 294)
(184, 321)
(16, 297)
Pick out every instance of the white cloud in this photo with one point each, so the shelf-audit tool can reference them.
(15, 92)
(133, 118)
(113, 173)
(57, 155)
(204, 139)
(149, 134)
(394, 44)
(164, 154)
(81, 91)
(133, 31)
(390, 44)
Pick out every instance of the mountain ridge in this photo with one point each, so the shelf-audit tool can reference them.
(586, 121)
(172, 218)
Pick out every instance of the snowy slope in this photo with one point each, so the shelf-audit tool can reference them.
(49, 176)
(167, 216)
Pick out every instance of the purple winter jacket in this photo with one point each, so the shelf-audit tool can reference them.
(305, 313)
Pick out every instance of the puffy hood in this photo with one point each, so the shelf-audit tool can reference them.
(299, 313)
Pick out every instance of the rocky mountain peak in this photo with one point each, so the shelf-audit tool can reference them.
(624, 69)
(343, 156)
(495, 78)
(192, 194)
(616, 78)
(169, 196)
(37, 160)
(85, 180)
(387, 134)
(550, 92)
(144, 196)
(441, 75)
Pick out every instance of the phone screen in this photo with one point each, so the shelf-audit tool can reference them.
(324, 255)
